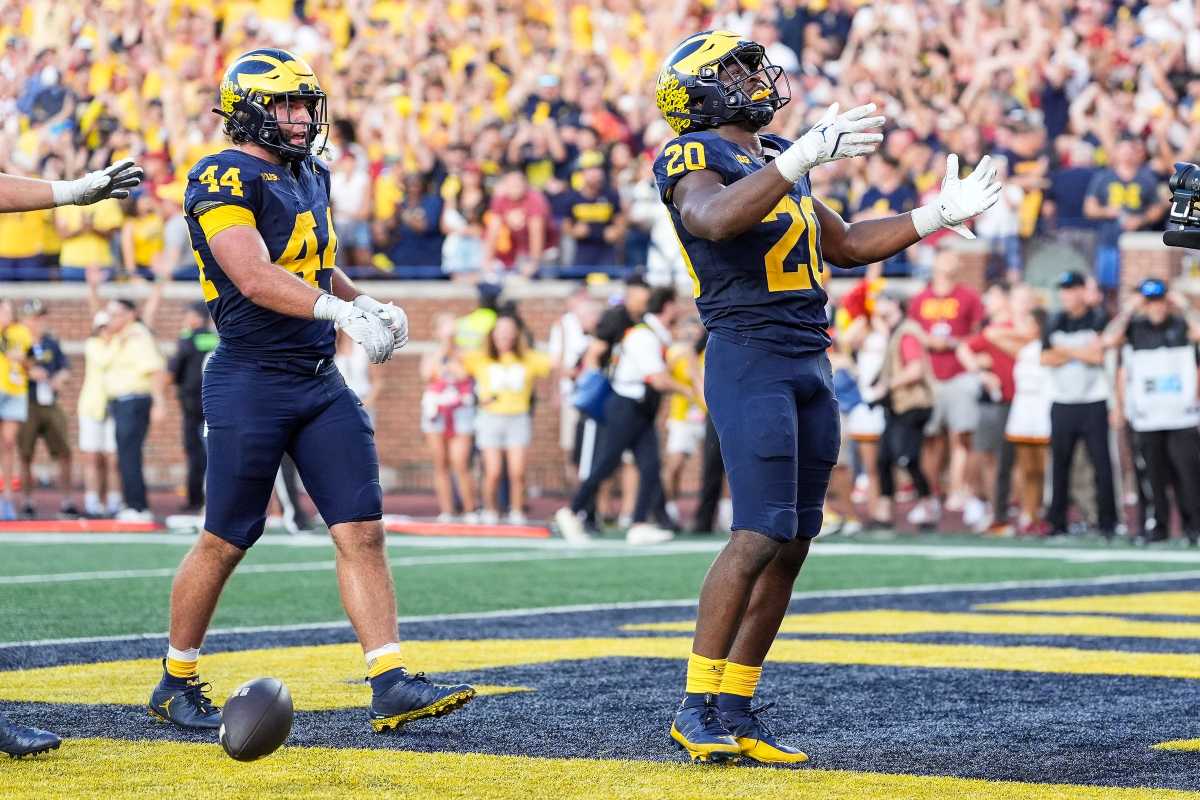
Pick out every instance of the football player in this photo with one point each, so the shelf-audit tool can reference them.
(31, 194)
(755, 238)
(262, 231)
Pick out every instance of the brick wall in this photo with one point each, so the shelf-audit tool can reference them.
(1143, 255)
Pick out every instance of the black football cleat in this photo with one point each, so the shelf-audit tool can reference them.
(17, 741)
(186, 705)
(698, 731)
(415, 697)
(755, 739)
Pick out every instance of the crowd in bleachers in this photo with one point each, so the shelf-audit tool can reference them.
(488, 138)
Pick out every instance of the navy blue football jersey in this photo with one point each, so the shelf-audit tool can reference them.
(762, 288)
(290, 208)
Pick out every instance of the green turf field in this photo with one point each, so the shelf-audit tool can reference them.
(917, 667)
(95, 587)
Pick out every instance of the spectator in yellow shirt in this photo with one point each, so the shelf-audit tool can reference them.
(134, 379)
(86, 234)
(15, 341)
(142, 237)
(22, 246)
(505, 376)
(97, 431)
(686, 418)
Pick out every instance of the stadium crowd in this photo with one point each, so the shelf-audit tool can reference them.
(495, 142)
(484, 139)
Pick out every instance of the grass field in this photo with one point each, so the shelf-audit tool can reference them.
(913, 667)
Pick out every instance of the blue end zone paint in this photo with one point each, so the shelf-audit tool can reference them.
(1033, 727)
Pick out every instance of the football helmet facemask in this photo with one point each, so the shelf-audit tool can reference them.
(267, 76)
(717, 77)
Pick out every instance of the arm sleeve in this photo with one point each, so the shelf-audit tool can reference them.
(910, 349)
(1051, 326)
(642, 347)
(222, 193)
(1096, 186)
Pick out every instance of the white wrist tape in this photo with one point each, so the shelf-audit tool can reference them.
(328, 307)
(792, 164)
(927, 220)
(64, 192)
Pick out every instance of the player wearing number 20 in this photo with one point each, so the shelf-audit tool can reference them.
(755, 240)
(264, 240)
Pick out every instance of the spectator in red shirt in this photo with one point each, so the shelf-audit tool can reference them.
(950, 313)
(518, 225)
(991, 355)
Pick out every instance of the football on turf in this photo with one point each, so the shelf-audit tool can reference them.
(256, 719)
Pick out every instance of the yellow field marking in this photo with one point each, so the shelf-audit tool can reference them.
(319, 678)
(890, 622)
(1183, 745)
(124, 769)
(329, 676)
(1181, 604)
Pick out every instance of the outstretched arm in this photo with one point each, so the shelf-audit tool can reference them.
(31, 194)
(871, 240)
(853, 244)
(711, 210)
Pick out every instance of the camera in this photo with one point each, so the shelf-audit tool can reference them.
(1183, 221)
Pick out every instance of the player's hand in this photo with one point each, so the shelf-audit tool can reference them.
(960, 200)
(832, 138)
(366, 329)
(392, 315)
(113, 181)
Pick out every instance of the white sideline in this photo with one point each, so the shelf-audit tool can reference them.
(558, 549)
(942, 588)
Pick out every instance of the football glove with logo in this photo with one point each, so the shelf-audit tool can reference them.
(392, 315)
(959, 199)
(832, 138)
(113, 181)
(367, 329)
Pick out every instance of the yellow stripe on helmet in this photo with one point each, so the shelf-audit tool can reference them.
(717, 44)
(287, 76)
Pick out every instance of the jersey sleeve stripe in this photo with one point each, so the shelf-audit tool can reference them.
(225, 216)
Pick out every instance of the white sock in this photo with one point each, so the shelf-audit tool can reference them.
(114, 502)
(393, 647)
(191, 654)
(91, 503)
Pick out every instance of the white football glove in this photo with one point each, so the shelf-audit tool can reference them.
(392, 315)
(368, 330)
(114, 181)
(959, 200)
(832, 138)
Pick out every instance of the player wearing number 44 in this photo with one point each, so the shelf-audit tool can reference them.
(755, 240)
(260, 224)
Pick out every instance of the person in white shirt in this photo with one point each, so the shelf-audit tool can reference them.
(569, 340)
(639, 377)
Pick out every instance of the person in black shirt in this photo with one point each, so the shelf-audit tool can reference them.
(187, 373)
(1157, 390)
(1073, 352)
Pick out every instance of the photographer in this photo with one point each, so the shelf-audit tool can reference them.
(1157, 389)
